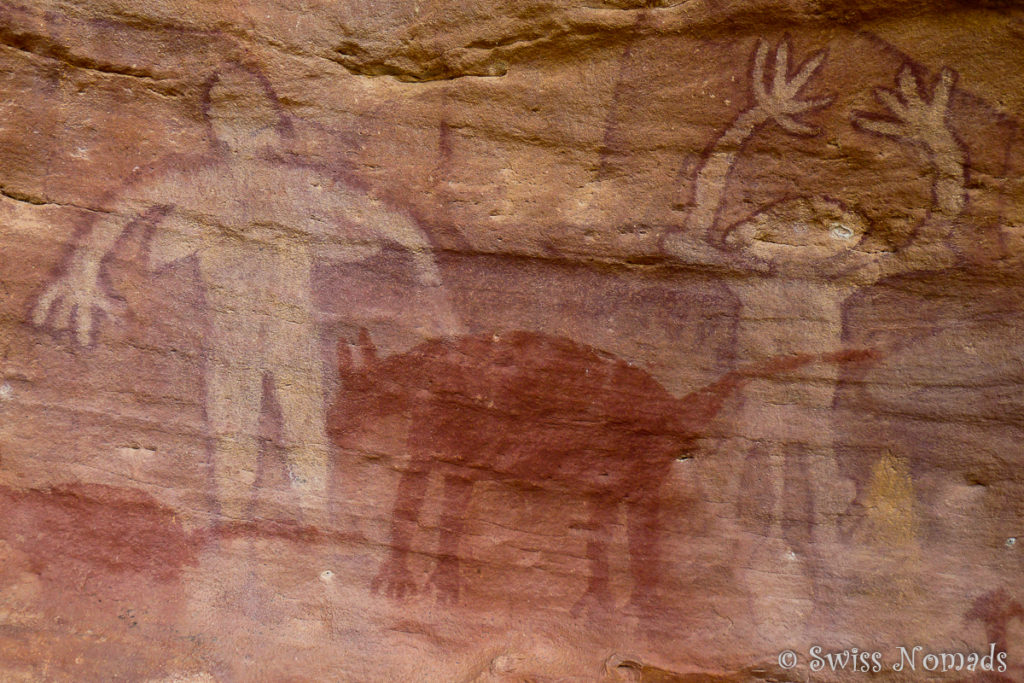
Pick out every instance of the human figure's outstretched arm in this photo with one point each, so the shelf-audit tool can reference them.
(377, 223)
(922, 123)
(774, 100)
(71, 301)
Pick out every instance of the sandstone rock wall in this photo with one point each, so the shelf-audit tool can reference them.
(551, 341)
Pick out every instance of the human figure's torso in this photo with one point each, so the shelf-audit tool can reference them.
(783, 316)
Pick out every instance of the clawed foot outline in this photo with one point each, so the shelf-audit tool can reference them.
(71, 303)
(394, 580)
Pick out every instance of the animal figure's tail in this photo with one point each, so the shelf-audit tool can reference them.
(702, 405)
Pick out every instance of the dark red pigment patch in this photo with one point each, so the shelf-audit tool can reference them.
(113, 530)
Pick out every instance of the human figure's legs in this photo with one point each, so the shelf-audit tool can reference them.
(299, 390)
(294, 360)
(234, 393)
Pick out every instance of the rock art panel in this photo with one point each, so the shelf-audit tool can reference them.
(672, 336)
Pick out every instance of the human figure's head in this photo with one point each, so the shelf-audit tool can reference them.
(799, 231)
(243, 112)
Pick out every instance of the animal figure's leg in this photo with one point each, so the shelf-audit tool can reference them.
(457, 492)
(393, 577)
(643, 529)
(602, 516)
(234, 396)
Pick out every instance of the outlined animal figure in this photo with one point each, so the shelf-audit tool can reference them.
(806, 256)
(537, 411)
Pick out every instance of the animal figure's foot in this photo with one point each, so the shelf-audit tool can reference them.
(446, 580)
(644, 605)
(394, 580)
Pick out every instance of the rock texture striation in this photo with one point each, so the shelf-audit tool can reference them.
(491, 341)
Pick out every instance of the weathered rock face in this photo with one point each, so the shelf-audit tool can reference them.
(608, 341)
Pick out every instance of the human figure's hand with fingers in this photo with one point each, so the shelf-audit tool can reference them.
(918, 120)
(72, 301)
(924, 123)
(777, 99)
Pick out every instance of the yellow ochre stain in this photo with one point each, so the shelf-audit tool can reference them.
(890, 532)
(891, 504)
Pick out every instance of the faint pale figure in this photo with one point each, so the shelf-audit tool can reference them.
(803, 258)
(255, 220)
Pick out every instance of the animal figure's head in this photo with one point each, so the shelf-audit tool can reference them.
(373, 399)
(799, 231)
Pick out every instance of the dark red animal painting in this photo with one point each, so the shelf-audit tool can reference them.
(535, 411)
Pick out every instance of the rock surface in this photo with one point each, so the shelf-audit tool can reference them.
(492, 341)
